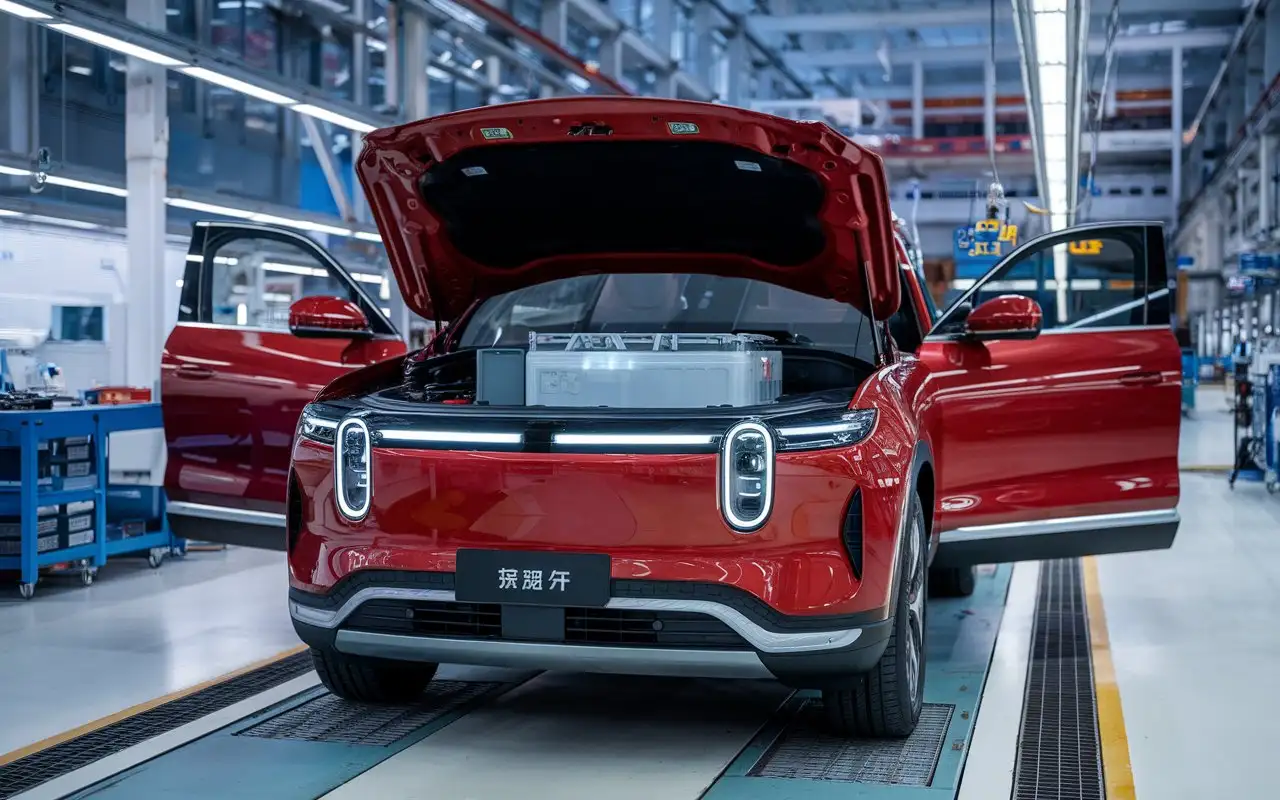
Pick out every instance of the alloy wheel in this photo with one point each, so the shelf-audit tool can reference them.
(915, 588)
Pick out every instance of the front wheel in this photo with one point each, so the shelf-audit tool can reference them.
(371, 680)
(886, 702)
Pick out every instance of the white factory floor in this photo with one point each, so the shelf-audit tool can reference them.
(1192, 637)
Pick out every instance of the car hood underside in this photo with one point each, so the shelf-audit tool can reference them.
(485, 201)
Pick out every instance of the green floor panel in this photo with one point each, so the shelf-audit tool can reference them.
(961, 639)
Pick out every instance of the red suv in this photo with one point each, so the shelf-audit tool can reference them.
(438, 509)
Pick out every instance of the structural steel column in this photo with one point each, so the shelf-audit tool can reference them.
(739, 69)
(555, 26)
(1271, 45)
(1175, 141)
(17, 100)
(1266, 184)
(146, 153)
(917, 99)
(417, 105)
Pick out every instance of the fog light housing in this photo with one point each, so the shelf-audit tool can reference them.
(746, 476)
(352, 471)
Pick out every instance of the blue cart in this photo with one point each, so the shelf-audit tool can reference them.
(1190, 380)
(55, 495)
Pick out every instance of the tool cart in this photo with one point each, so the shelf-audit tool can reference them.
(54, 493)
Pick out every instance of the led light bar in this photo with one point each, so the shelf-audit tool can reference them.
(227, 82)
(334, 117)
(22, 11)
(118, 45)
(632, 439)
(448, 437)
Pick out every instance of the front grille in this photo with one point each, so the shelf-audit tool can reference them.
(649, 628)
(588, 626)
(852, 533)
(459, 620)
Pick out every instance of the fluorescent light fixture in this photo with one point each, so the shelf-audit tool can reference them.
(1055, 147)
(295, 269)
(4, 212)
(334, 117)
(276, 297)
(242, 314)
(450, 437)
(71, 183)
(234, 84)
(207, 208)
(1051, 38)
(178, 283)
(300, 224)
(632, 439)
(22, 11)
(14, 171)
(386, 311)
(118, 45)
(1041, 6)
(384, 291)
(367, 277)
(1053, 84)
(1055, 119)
(365, 236)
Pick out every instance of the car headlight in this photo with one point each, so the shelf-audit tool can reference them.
(352, 469)
(316, 428)
(746, 475)
(849, 428)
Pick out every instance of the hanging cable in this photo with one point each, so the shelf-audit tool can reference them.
(1113, 26)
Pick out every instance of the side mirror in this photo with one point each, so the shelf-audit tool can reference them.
(328, 317)
(1009, 316)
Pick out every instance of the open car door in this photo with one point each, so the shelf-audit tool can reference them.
(238, 368)
(1055, 381)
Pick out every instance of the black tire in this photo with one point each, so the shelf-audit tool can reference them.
(885, 703)
(371, 680)
(952, 581)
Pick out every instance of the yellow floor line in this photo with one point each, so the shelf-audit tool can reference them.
(89, 727)
(1117, 769)
(1205, 468)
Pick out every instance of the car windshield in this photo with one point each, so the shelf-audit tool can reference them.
(668, 303)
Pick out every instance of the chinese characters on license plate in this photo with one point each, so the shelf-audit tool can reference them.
(532, 578)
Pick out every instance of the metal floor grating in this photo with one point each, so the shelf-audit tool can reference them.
(806, 752)
(331, 719)
(1058, 750)
(37, 768)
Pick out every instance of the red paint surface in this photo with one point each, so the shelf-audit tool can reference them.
(438, 282)
(1067, 424)
(231, 401)
(655, 515)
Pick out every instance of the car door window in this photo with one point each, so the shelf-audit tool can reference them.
(250, 277)
(1088, 278)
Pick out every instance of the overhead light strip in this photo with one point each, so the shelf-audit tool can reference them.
(22, 11)
(208, 208)
(123, 47)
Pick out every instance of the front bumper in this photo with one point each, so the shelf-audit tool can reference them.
(707, 631)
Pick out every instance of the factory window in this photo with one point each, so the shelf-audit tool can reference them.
(78, 324)
(253, 280)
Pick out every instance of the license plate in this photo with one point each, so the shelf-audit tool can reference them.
(529, 578)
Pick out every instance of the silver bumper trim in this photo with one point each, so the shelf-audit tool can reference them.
(760, 638)
(1049, 527)
(555, 656)
(242, 516)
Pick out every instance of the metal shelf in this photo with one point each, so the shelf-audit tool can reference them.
(24, 430)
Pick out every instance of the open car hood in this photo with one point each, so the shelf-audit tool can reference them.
(480, 202)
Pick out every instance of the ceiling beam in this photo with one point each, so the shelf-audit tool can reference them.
(978, 14)
(1204, 38)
